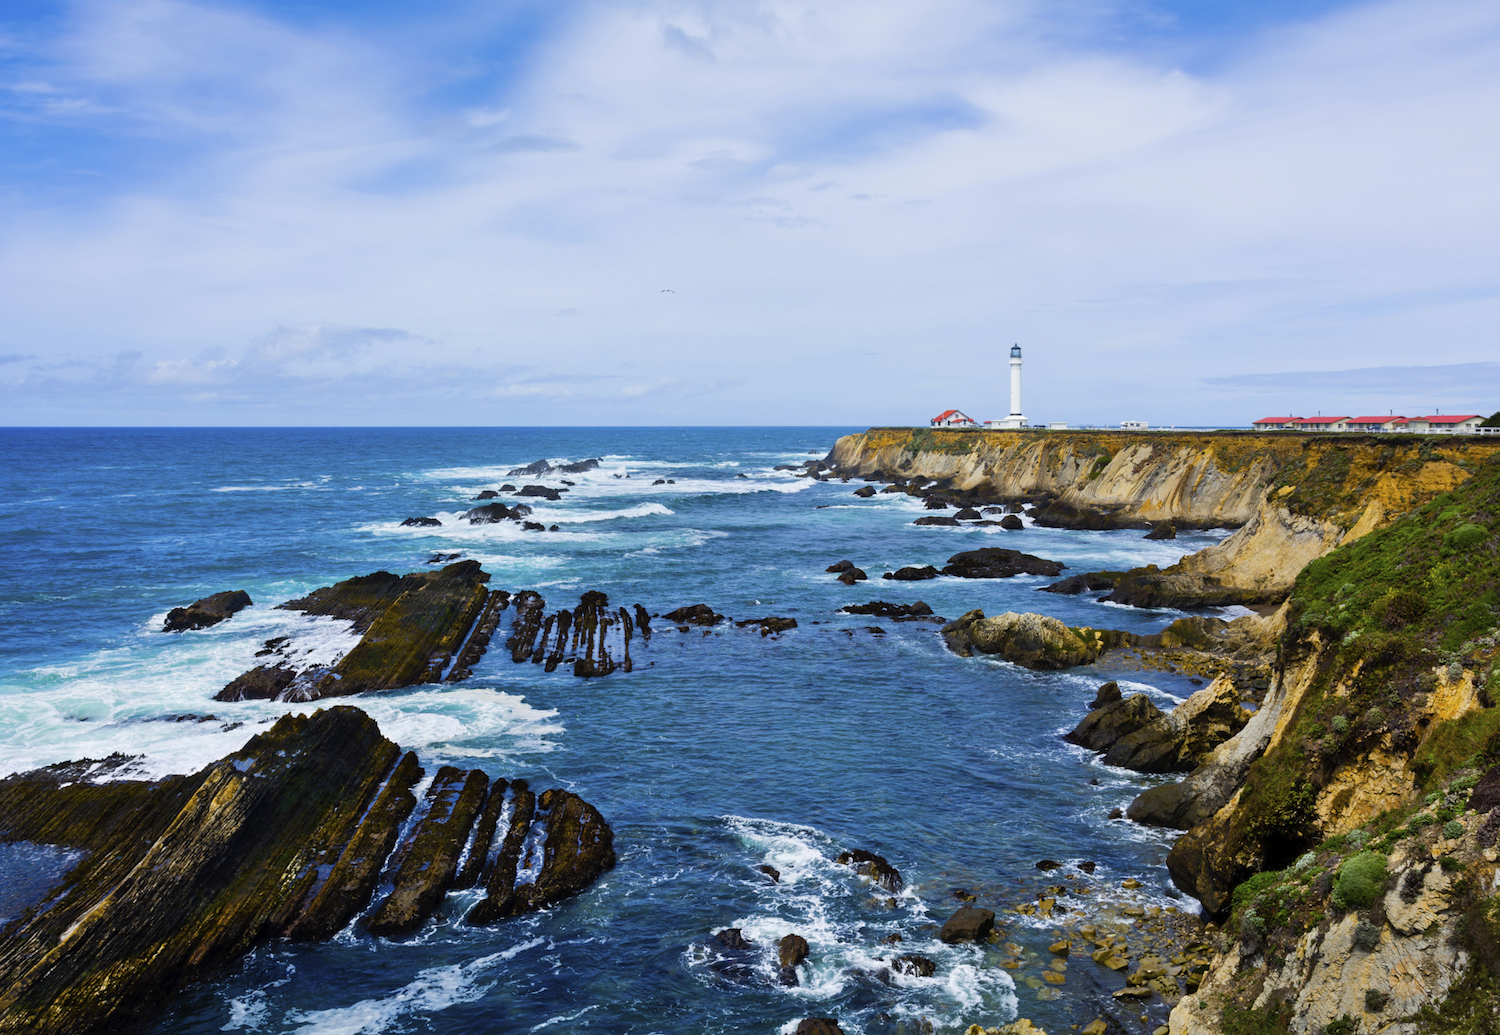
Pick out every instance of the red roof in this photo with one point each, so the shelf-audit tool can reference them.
(1276, 420)
(945, 415)
(1373, 420)
(1451, 418)
(1319, 420)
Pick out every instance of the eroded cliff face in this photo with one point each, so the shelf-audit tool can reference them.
(1292, 498)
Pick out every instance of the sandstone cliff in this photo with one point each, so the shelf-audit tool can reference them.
(1291, 497)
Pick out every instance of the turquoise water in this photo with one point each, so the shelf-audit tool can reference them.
(719, 753)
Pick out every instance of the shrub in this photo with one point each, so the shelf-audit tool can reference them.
(1375, 717)
(1453, 829)
(1340, 725)
(1360, 880)
(1366, 936)
(1376, 1000)
(1465, 537)
(1403, 607)
(1426, 819)
(1343, 1026)
(1450, 864)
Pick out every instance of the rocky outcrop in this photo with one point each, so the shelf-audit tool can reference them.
(492, 513)
(913, 612)
(1091, 582)
(201, 614)
(1134, 734)
(430, 522)
(286, 837)
(413, 626)
(543, 491)
(994, 562)
(868, 864)
(912, 574)
(771, 625)
(694, 614)
(967, 924)
(593, 639)
(1031, 640)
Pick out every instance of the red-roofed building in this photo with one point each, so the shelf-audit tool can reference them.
(1374, 423)
(1275, 423)
(1450, 422)
(954, 419)
(1320, 423)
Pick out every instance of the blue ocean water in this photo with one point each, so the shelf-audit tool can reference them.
(722, 751)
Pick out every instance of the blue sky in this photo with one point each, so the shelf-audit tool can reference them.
(745, 212)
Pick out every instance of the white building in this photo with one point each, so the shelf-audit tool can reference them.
(1015, 420)
(953, 419)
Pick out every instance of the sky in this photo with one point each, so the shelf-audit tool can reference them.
(747, 212)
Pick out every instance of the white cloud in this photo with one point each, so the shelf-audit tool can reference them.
(917, 184)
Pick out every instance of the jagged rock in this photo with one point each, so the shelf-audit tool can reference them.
(968, 924)
(534, 468)
(1058, 514)
(732, 938)
(1149, 587)
(936, 519)
(936, 503)
(412, 625)
(1011, 523)
(201, 614)
(507, 487)
(853, 575)
(491, 513)
(1091, 581)
(1111, 721)
(868, 864)
(770, 624)
(1031, 640)
(910, 574)
(1164, 530)
(261, 683)
(432, 522)
(994, 562)
(533, 526)
(1106, 693)
(791, 950)
(770, 871)
(540, 490)
(865, 491)
(487, 494)
(881, 609)
(570, 841)
(581, 467)
(839, 567)
(1176, 742)
(787, 977)
(696, 614)
(660, 481)
(442, 558)
(183, 876)
(967, 514)
(915, 966)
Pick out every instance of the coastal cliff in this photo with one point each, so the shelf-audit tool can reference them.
(1291, 498)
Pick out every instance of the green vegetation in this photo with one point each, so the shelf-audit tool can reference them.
(1493, 421)
(1360, 880)
(931, 440)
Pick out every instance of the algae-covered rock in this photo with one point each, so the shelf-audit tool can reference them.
(201, 614)
(995, 562)
(1031, 640)
(286, 837)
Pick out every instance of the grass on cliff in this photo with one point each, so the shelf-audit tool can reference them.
(1390, 617)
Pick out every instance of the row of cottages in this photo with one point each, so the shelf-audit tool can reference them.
(1463, 423)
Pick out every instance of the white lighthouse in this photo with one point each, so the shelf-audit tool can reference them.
(1015, 420)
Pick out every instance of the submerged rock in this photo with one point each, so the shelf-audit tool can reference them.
(201, 614)
(541, 491)
(839, 566)
(772, 624)
(432, 522)
(865, 491)
(936, 519)
(968, 924)
(875, 867)
(582, 466)
(1165, 530)
(695, 614)
(852, 575)
(910, 574)
(534, 468)
(881, 609)
(1091, 581)
(286, 837)
(1011, 523)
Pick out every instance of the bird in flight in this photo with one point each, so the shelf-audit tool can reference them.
(668, 291)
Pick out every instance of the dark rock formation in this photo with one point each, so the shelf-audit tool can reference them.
(936, 503)
(1057, 514)
(1106, 693)
(967, 514)
(507, 487)
(968, 924)
(1011, 523)
(570, 842)
(535, 468)
(1165, 530)
(1031, 640)
(910, 574)
(412, 627)
(1092, 582)
(696, 614)
(994, 562)
(432, 522)
(542, 491)
(200, 614)
(868, 864)
(818, 1026)
(582, 466)
(261, 683)
(1150, 587)
(865, 491)
(285, 838)
(770, 624)
(915, 966)
(881, 609)
(533, 526)
(487, 494)
(770, 871)
(1115, 719)
(491, 513)
(853, 575)
(839, 566)
(936, 519)
(442, 558)
(791, 950)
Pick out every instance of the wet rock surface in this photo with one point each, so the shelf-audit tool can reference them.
(968, 924)
(770, 625)
(917, 611)
(183, 876)
(911, 574)
(1091, 582)
(212, 610)
(1030, 640)
(995, 562)
(412, 627)
(849, 576)
(432, 522)
(694, 614)
(875, 867)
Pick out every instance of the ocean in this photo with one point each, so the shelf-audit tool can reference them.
(721, 752)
